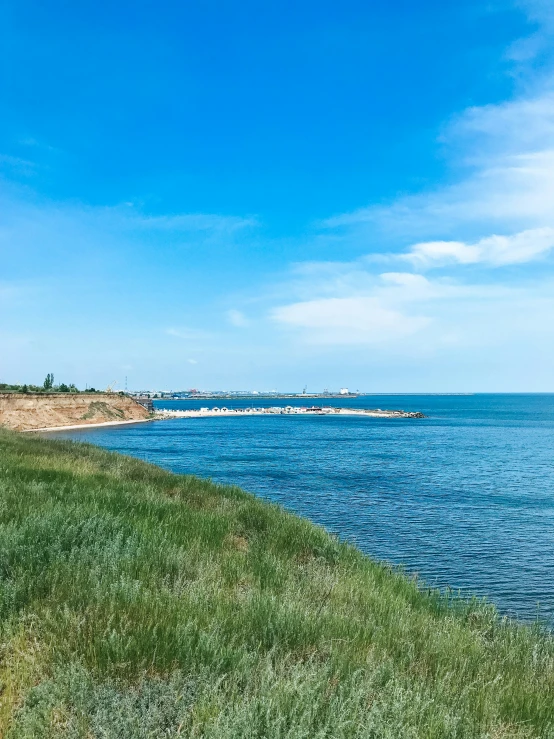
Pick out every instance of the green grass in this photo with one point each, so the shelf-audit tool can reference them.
(102, 409)
(137, 603)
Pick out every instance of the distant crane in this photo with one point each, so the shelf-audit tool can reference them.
(110, 388)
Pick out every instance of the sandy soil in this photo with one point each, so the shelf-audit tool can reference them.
(31, 411)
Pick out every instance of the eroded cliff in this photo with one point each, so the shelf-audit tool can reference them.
(24, 412)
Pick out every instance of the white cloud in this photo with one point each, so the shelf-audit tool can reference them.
(443, 251)
(494, 250)
(398, 288)
(237, 318)
(408, 316)
(503, 159)
(511, 193)
(525, 124)
(405, 279)
(192, 361)
(399, 311)
(357, 320)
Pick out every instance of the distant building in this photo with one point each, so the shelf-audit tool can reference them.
(344, 391)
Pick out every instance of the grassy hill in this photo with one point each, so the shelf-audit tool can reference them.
(137, 603)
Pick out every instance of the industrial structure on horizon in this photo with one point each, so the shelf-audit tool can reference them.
(194, 393)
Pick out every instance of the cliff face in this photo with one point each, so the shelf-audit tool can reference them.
(24, 412)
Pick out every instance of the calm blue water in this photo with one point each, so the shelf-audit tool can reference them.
(464, 497)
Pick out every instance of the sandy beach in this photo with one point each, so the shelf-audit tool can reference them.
(73, 427)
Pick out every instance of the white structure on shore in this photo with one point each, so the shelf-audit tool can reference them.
(344, 391)
(315, 410)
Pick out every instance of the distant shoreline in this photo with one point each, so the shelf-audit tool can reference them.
(314, 396)
(166, 415)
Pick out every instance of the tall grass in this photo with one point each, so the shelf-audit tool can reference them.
(138, 603)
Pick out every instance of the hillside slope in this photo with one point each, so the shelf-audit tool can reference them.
(138, 603)
(24, 412)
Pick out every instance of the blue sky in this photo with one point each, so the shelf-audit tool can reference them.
(257, 196)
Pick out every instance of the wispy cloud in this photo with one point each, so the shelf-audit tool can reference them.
(188, 222)
(35, 143)
(359, 320)
(237, 318)
(17, 165)
(20, 292)
(494, 250)
(527, 49)
(501, 160)
(8, 293)
(69, 230)
(403, 312)
(184, 332)
(511, 189)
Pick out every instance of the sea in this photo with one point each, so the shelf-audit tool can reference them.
(463, 497)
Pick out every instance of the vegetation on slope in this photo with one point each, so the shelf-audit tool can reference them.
(47, 386)
(138, 603)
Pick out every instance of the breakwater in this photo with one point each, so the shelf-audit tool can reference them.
(286, 411)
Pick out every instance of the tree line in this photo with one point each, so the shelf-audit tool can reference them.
(48, 386)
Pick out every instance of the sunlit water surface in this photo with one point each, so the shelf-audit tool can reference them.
(464, 497)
